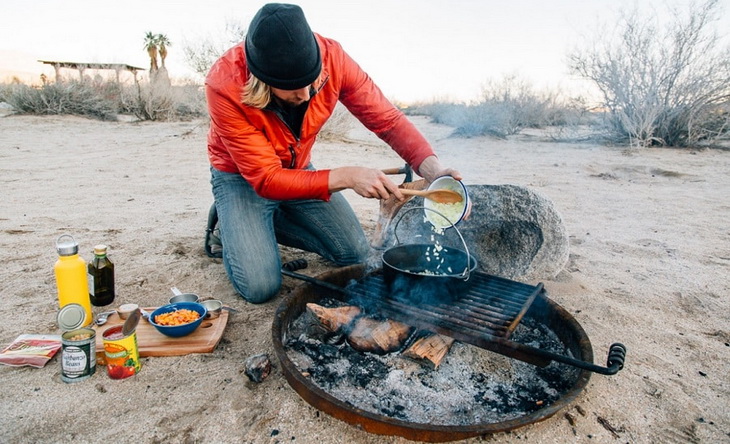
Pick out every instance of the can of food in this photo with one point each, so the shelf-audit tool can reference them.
(78, 354)
(121, 353)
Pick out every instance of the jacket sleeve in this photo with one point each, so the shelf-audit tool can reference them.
(368, 104)
(254, 156)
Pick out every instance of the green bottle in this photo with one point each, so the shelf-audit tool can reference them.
(101, 278)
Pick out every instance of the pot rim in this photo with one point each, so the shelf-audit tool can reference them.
(463, 275)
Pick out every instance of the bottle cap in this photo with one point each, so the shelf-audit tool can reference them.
(67, 245)
(100, 249)
(71, 317)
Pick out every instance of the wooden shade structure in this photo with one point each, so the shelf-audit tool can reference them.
(82, 66)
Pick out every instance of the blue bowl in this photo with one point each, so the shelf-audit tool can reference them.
(177, 331)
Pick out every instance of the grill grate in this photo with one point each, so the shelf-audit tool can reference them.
(492, 307)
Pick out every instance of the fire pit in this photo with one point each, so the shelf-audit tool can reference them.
(504, 407)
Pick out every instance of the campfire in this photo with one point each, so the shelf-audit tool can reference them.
(397, 369)
(388, 368)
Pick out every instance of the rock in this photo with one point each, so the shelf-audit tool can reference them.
(513, 232)
(258, 367)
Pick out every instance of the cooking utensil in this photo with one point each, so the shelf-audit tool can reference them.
(413, 274)
(440, 196)
(445, 215)
(175, 291)
(101, 318)
(214, 308)
(427, 272)
(126, 309)
(184, 297)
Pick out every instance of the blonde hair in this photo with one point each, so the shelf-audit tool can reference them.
(256, 93)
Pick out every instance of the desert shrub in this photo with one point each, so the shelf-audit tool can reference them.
(4, 90)
(73, 97)
(661, 86)
(505, 108)
(164, 103)
(338, 125)
(105, 100)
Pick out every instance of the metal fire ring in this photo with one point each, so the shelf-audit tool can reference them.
(562, 323)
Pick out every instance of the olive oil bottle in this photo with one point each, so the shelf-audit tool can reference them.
(101, 278)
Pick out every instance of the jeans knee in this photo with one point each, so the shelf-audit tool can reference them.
(258, 291)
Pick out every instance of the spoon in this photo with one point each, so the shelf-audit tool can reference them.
(102, 317)
(440, 196)
(175, 291)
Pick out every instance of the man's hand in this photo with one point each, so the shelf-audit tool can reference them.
(367, 182)
(431, 169)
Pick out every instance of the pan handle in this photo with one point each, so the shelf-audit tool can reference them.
(405, 169)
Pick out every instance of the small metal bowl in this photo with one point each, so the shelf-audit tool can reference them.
(126, 309)
(214, 308)
(184, 297)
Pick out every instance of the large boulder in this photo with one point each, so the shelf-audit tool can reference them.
(513, 232)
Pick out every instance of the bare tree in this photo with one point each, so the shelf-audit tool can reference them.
(200, 55)
(667, 86)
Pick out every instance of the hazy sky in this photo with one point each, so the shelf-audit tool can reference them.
(413, 49)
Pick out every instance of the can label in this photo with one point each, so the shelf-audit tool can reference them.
(78, 354)
(121, 352)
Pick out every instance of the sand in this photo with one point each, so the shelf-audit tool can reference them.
(649, 266)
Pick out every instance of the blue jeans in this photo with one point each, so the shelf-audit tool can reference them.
(251, 226)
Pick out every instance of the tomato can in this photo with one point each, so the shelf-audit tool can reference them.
(78, 354)
(121, 353)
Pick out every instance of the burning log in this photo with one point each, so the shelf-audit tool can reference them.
(333, 319)
(379, 337)
(431, 349)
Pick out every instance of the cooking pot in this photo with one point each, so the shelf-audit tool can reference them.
(418, 273)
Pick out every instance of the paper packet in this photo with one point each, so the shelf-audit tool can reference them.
(32, 350)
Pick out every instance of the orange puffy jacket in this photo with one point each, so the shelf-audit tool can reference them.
(259, 145)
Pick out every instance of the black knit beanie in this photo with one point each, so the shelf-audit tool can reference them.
(281, 50)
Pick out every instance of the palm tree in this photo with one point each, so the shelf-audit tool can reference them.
(150, 44)
(162, 43)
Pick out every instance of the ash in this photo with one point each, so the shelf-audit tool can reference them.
(471, 386)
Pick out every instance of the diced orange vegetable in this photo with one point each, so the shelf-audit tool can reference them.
(177, 317)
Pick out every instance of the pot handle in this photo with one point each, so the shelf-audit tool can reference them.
(467, 272)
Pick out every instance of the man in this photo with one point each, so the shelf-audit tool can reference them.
(268, 97)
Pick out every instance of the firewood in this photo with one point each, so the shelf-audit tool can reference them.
(333, 319)
(430, 349)
(379, 337)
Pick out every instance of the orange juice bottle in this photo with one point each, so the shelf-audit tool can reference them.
(70, 271)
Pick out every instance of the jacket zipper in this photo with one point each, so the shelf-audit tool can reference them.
(293, 155)
(292, 151)
(291, 147)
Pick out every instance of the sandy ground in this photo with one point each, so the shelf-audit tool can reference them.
(649, 266)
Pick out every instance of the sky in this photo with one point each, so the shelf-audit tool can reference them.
(415, 50)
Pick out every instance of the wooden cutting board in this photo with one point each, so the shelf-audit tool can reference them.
(151, 342)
